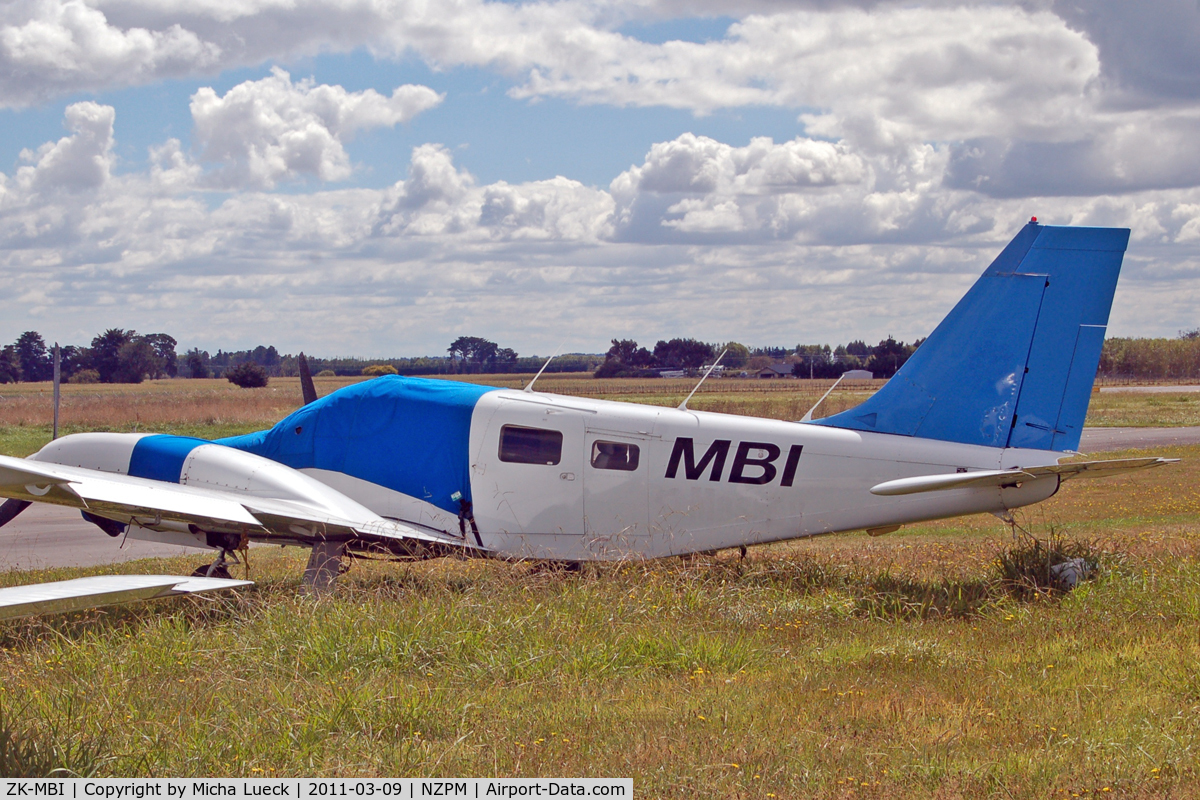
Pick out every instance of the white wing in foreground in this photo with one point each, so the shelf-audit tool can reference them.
(324, 514)
(102, 590)
(1001, 478)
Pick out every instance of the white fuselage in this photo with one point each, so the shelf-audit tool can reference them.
(569, 478)
(576, 509)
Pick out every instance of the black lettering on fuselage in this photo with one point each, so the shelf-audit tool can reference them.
(789, 468)
(685, 450)
(737, 474)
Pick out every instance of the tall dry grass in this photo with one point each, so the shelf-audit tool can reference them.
(201, 404)
(154, 403)
(217, 402)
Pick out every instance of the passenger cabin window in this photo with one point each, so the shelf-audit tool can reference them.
(530, 445)
(615, 455)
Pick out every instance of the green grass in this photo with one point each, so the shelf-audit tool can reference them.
(898, 661)
(713, 678)
(1131, 409)
(23, 440)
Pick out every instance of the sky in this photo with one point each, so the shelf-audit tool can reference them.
(378, 177)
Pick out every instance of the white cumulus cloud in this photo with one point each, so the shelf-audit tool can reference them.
(50, 47)
(80, 161)
(269, 130)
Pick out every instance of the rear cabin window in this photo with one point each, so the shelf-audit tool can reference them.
(530, 445)
(615, 455)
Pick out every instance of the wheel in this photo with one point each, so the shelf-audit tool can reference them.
(220, 572)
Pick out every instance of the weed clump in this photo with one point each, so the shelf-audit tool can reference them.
(248, 376)
(23, 755)
(890, 596)
(1053, 565)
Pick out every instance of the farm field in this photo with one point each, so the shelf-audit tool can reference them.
(215, 408)
(844, 666)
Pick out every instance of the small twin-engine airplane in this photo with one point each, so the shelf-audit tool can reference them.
(976, 421)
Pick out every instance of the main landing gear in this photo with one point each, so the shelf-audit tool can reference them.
(218, 568)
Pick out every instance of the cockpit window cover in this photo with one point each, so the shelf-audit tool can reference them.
(615, 455)
(407, 434)
(520, 445)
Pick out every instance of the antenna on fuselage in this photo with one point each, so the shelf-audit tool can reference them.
(808, 417)
(529, 388)
(57, 387)
(683, 405)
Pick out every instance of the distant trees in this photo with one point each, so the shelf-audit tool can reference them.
(1148, 359)
(626, 359)
(682, 353)
(31, 359)
(10, 365)
(36, 362)
(375, 370)
(196, 361)
(888, 356)
(266, 357)
(164, 353)
(136, 361)
(737, 355)
(106, 353)
(121, 356)
(115, 356)
(74, 360)
(476, 354)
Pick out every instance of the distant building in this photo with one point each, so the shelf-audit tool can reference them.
(858, 375)
(672, 373)
(777, 370)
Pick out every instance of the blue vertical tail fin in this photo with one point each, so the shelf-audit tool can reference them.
(1012, 364)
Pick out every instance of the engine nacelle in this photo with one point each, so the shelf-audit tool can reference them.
(196, 462)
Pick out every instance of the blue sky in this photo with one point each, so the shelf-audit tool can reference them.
(237, 172)
(493, 135)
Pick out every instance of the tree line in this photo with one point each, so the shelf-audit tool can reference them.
(115, 356)
(1152, 359)
(126, 356)
(626, 359)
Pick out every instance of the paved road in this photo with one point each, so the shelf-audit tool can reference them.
(50, 536)
(1164, 389)
(1099, 440)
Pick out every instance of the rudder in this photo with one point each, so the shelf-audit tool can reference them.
(1013, 362)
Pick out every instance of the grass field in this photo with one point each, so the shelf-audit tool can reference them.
(846, 666)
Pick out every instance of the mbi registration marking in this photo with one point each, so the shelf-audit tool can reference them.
(181, 789)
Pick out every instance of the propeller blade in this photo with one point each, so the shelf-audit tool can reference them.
(10, 509)
(306, 381)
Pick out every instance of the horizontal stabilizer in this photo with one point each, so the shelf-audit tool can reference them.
(102, 590)
(1001, 478)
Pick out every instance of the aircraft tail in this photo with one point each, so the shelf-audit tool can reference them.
(1012, 365)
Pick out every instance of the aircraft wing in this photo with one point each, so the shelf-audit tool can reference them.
(149, 502)
(1001, 478)
(102, 590)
